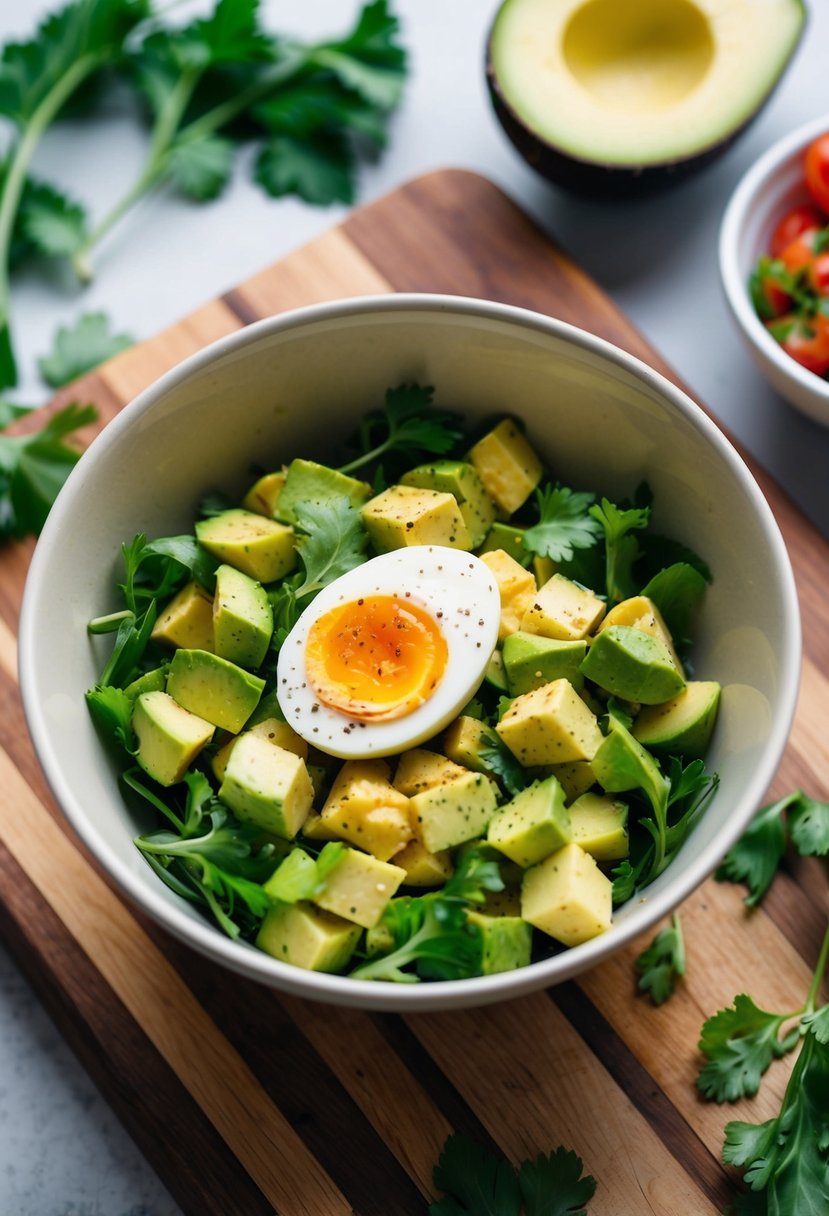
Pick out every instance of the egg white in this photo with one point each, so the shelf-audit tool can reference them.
(457, 589)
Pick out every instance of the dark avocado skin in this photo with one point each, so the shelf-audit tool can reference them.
(594, 179)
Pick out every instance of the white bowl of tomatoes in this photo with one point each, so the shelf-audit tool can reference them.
(774, 262)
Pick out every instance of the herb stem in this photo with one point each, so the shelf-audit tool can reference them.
(817, 979)
(213, 120)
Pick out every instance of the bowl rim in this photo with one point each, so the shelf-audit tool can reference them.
(750, 186)
(342, 990)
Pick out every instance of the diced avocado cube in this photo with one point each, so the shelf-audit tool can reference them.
(621, 763)
(682, 726)
(461, 480)
(550, 725)
(267, 786)
(150, 681)
(632, 665)
(280, 734)
(575, 777)
(530, 661)
(169, 736)
(506, 902)
(453, 812)
(516, 587)
(599, 826)
(187, 620)
(305, 936)
(404, 515)
(263, 495)
(242, 618)
(568, 897)
(358, 887)
(419, 770)
(464, 741)
(640, 612)
(543, 568)
(379, 938)
(507, 464)
(257, 546)
(309, 482)
(313, 827)
(364, 808)
(562, 609)
(532, 825)
(505, 942)
(424, 869)
(509, 538)
(214, 688)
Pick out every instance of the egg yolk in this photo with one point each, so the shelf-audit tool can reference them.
(376, 658)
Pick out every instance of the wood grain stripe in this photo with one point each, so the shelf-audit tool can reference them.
(224, 1087)
(8, 651)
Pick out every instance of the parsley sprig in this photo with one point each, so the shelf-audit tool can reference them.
(756, 857)
(478, 1182)
(621, 546)
(564, 524)
(662, 964)
(407, 424)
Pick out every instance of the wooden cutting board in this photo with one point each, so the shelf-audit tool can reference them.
(247, 1103)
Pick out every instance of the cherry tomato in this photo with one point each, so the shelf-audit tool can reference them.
(793, 224)
(778, 300)
(807, 342)
(819, 274)
(799, 253)
(817, 170)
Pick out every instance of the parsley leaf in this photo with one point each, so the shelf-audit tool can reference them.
(476, 1181)
(563, 525)
(34, 467)
(553, 1185)
(809, 826)
(408, 424)
(677, 592)
(111, 710)
(78, 349)
(50, 223)
(662, 963)
(333, 542)
(621, 548)
(756, 856)
(319, 168)
(201, 168)
(499, 761)
(740, 1043)
(368, 60)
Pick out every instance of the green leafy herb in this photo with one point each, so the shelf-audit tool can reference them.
(301, 876)
(621, 547)
(407, 424)
(739, 1044)
(333, 542)
(756, 857)
(663, 963)
(564, 524)
(499, 761)
(111, 710)
(431, 933)
(154, 569)
(37, 80)
(677, 592)
(478, 1182)
(78, 349)
(809, 826)
(34, 467)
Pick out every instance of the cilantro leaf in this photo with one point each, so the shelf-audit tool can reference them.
(809, 826)
(621, 548)
(662, 963)
(564, 524)
(51, 223)
(409, 424)
(677, 592)
(553, 1185)
(739, 1044)
(78, 349)
(333, 542)
(111, 710)
(201, 168)
(477, 1182)
(756, 857)
(499, 761)
(368, 60)
(320, 169)
(34, 467)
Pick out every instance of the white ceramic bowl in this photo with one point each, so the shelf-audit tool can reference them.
(295, 384)
(770, 188)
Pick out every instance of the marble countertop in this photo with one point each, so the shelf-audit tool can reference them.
(62, 1152)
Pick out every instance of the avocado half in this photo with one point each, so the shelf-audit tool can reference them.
(614, 97)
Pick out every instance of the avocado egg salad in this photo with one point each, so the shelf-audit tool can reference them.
(429, 726)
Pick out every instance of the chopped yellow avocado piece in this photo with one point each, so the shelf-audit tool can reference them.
(314, 827)
(531, 825)
(263, 495)
(419, 770)
(364, 808)
(507, 465)
(169, 736)
(267, 785)
(260, 547)
(568, 897)
(575, 777)
(448, 814)
(598, 824)
(359, 887)
(280, 734)
(187, 620)
(406, 515)
(550, 725)
(464, 741)
(307, 937)
(640, 612)
(563, 610)
(516, 587)
(424, 869)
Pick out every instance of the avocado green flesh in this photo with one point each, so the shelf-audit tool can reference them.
(684, 724)
(630, 664)
(638, 82)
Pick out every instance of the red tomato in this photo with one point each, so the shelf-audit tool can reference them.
(817, 170)
(799, 253)
(778, 300)
(819, 274)
(807, 343)
(793, 224)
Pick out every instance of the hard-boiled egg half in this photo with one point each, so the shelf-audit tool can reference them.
(389, 653)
